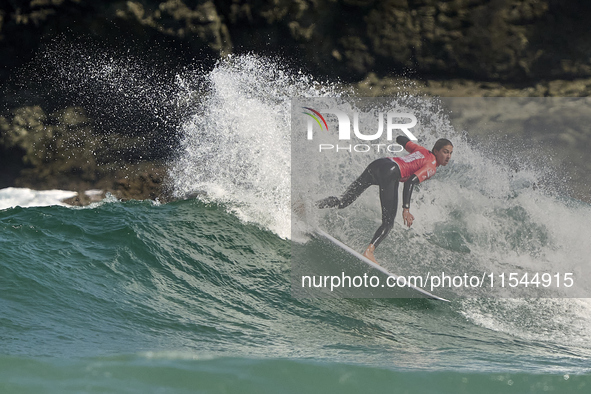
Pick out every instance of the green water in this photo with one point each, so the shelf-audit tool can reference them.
(185, 297)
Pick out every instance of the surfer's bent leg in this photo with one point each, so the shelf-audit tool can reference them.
(389, 201)
(378, 172)
(355, 189)
(388, 182)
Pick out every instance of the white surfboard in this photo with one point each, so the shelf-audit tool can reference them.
(417, 290)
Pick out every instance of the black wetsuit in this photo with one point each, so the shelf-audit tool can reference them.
(384, 173)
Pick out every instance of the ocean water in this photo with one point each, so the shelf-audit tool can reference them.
(194, 296)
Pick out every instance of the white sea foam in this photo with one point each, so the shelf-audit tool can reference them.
(236, 146)
(22, 197)
(475, 214)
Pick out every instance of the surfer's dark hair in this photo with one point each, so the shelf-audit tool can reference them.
(441, 143)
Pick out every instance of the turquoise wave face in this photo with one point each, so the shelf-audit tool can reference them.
(189, 278)
(140, 297)
(133, 276)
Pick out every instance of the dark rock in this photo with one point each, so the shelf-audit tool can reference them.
(516, 48)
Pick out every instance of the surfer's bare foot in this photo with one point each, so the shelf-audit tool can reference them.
(369, 253)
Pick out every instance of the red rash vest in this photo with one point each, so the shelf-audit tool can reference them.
(420, 162)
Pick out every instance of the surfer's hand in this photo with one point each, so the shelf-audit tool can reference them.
(407, 216)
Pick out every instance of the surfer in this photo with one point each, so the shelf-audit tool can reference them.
(419, 165)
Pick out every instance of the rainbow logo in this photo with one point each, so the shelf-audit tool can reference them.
(315, 116)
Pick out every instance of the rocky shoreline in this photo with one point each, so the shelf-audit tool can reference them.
(148, 179)
(53, 136)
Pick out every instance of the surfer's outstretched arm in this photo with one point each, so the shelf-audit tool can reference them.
(408, 217)
(406, 194)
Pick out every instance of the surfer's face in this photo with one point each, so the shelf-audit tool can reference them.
(443, 155)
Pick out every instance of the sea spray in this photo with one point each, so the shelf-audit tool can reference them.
(131, 99)
(236, 144)
(477, 213)
(93, 296)
(488, 211)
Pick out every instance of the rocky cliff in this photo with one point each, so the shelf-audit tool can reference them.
(454, 47)
(518, 41)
